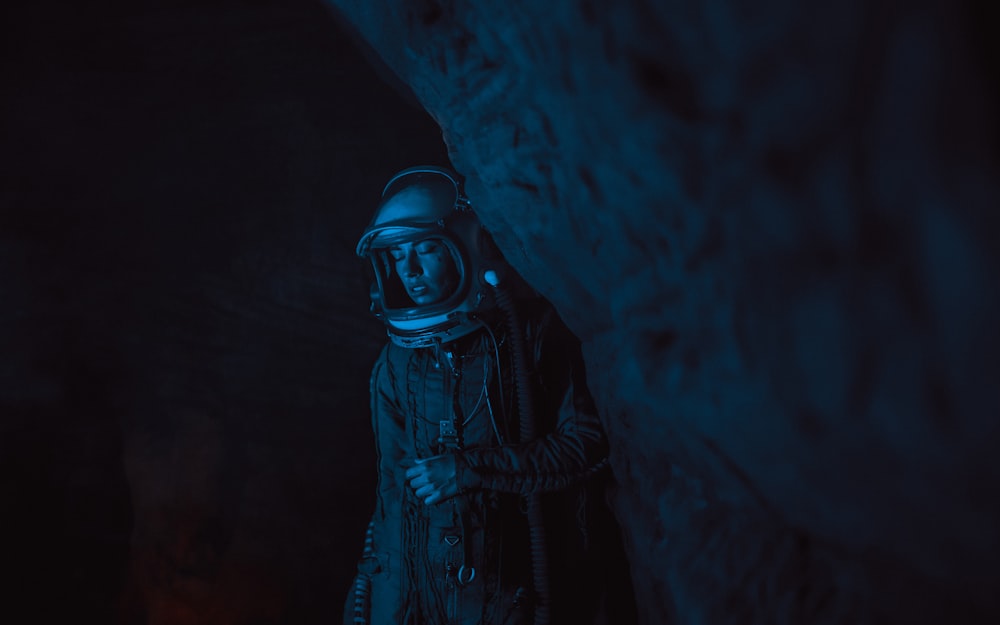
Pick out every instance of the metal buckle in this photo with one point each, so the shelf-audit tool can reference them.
(466, 574)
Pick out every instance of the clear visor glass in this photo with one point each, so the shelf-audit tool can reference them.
(417, 273)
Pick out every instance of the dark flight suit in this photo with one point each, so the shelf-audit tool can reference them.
(467, 560)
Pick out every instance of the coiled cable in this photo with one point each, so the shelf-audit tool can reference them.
(527, 432)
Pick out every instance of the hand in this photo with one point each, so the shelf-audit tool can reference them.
(433, 479)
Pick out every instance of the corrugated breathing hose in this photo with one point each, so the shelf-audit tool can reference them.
(525, 408)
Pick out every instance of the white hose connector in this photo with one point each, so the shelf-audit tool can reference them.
(491, 277)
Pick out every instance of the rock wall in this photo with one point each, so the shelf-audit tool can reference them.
(772, 225)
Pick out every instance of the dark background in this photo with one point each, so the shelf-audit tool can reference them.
(185, 338)
(772, 226)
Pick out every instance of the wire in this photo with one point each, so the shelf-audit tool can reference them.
(489, 404)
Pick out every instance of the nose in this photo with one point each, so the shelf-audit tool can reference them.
(411, 265)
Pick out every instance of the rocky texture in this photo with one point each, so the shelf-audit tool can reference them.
(773, 226)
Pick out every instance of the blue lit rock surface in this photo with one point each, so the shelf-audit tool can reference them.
(774, 228)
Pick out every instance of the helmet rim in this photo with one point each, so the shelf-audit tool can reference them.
(455, 223)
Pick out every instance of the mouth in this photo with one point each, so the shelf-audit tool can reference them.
(417, 289)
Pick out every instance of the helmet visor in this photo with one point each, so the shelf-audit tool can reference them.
(418, 200)
(441, 188)
(419, 272)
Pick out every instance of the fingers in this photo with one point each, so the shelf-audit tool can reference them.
(446, 491)
(430, 492)
(432, 479)
(432, 497)
(427, 491)
(433, 493)
(426, 466)
(416, 466)
(419, 477)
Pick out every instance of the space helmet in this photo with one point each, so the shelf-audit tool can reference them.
(418, 204)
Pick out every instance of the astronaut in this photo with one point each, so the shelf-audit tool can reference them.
(491, 456)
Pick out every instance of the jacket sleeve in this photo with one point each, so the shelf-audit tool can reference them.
(384, 565)
(573, 449)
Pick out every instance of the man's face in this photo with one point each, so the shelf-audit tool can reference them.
(426, 270)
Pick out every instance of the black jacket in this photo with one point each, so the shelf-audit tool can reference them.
(418, 552)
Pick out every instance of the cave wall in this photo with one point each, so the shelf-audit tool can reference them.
(772, 226)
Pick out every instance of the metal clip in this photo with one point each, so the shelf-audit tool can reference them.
(448, 435)
(466, 574)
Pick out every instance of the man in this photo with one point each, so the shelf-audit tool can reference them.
(487, 437)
